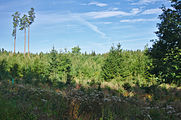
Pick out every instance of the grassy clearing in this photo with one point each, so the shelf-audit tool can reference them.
(71, 103)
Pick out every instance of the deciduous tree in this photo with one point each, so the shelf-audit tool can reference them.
(166, 49)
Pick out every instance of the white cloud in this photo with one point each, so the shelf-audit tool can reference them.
(142, 2)
(138, 20)
(134, 11)
(106, 14)
(91, 26)
(115, 9)
(106, 23)
(53, 19)
(152, 11)
(97, 4)
(50, 18)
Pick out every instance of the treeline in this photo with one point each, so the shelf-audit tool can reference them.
(57, 67)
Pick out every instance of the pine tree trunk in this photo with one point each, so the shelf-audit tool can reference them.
(25, 43)
(14, 43)
(28, 41)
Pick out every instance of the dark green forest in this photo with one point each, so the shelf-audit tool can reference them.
(121, 84)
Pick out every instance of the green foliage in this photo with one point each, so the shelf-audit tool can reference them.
(166, 50)
(54, 71)
(3, 69)
(76, 50)
(172, 66)
(86, 67)
(65, 67)
(31, 16)
(54, 67)
(16, 17)
(126, 86)
(124, 65)
(24, 22)
(15, 71)
(28, 74)
(59, 68)
(40, 68)
(112, 67)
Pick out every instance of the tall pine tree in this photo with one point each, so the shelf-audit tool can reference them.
(31, 17)
(23, 25)
(15, 24)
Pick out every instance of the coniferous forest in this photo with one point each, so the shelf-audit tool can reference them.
(117, 85)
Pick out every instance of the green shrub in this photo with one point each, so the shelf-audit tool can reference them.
(127, 86)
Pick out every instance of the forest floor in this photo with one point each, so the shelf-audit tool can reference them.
(27, 102)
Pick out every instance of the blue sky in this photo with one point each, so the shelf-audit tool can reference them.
(94, 25)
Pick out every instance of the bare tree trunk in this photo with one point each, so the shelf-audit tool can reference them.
(25, 43)
(14, 43)
(28, 41)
